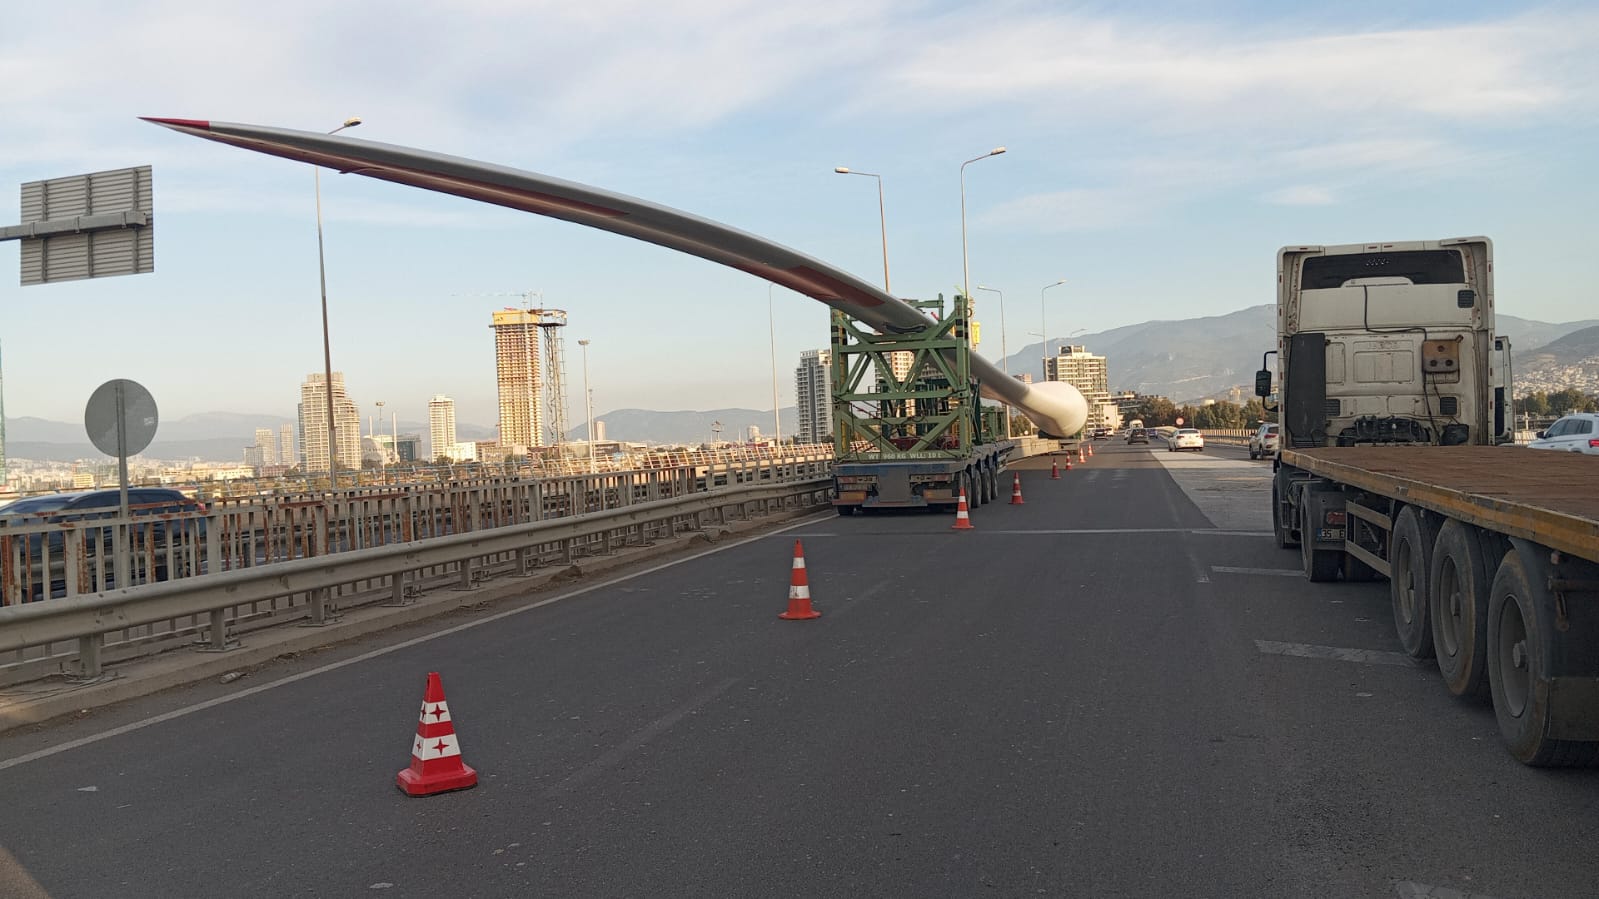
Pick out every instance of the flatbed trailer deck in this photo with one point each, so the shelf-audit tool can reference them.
(1548, 497)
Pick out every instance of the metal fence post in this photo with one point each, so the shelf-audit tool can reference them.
(89, 647)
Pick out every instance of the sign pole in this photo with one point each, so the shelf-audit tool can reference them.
(124, 532)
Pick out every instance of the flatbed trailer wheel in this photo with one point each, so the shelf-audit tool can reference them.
(1519, 649)
(1459, 582)
(1409, 560)
(1320, 564)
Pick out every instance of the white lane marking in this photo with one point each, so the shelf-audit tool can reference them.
(1409, 889)
(366, 656)
(1336, 653)
(1279, 572)
(645, 734)
(1058, 531)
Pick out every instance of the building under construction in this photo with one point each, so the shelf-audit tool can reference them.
(529, 369)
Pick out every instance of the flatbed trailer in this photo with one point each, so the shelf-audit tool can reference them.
(1492, 556)
(922, 483)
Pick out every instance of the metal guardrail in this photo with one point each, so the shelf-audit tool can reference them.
(216, 605)
(69, 555)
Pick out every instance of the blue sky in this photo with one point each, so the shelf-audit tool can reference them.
(1158, 155)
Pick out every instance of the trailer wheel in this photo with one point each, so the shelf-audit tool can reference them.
(1518, 662)
(1320, 564)
(1279, 526)
(1409, 560)
(1458, 584)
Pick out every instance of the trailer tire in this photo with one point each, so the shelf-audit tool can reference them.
(1409, 561)
(1458, 585)
(1519, 650)
(1321, 565)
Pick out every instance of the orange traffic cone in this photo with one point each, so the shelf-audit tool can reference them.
(1068, 461)
(1090, 451)
(1054, 470)
(1081, 458)
(1016, 491)
(436, 765)
(799, 590)
(963, 518)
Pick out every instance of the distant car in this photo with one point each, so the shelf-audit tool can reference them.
(1137, 435)
(1264, 442)
(57, 508)
(1186, 439)
(1574, 433)
(1102, 433)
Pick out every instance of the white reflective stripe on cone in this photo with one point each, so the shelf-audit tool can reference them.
(435, 747)
(799, 592)
(435, 712)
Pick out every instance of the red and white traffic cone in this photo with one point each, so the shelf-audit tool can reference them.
(1090, 451)
(1016, 491)
(1081, 458)
(1054, 470)
(1068, 461)
(436, 765)
(963, 517)
(799, 590)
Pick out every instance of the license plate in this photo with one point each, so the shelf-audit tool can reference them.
(1330, 534)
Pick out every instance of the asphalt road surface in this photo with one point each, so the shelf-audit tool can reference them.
(1119, 689)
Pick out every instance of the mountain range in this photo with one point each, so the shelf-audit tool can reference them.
(1185, 360)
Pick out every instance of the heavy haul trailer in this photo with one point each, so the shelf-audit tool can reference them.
(1394, 405)
(909, 430)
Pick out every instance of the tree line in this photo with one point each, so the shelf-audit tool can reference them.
(1542, 404)
(1159, 412)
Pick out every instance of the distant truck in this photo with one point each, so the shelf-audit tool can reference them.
(909, 430)
(1393, 400)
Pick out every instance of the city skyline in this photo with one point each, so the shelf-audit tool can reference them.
(1158, 155)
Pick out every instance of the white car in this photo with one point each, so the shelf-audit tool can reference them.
(1186, 438)
(1264, 442)
(1575, 433)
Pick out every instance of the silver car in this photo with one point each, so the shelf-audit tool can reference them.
(1574, 433)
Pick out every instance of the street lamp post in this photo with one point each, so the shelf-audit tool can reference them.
(882, 216)
(588, 401)
(966, 278)
(1004, 350)
(771, 327)
(327, 350)
(1043, 321)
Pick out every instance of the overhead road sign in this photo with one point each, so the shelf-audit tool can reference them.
(86, 226)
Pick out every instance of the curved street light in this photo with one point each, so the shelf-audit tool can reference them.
(966, 278)
(327, 351)
(1043, 313)
(882, 216)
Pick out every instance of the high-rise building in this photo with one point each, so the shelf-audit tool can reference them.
(441, 426)
(599, 431)
(1087, 372)
(314, 416)
(516, 370)
(814, 396)
(268, 445)
(286, 445)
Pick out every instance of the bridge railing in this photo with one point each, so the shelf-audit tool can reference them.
(79, 633)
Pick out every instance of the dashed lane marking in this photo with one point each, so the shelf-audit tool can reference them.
(1335, 653)
(1279, 572)
(1409, 889)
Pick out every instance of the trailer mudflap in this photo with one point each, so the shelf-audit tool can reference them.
(1573, 707)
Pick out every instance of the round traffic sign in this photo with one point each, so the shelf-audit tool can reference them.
(126, 402)
(1179, 421)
